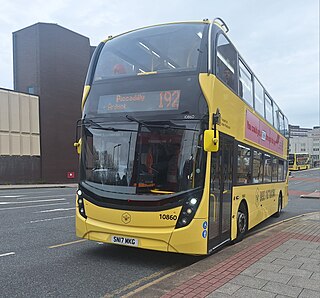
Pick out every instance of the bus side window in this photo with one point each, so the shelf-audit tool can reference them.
(226, 62)
(267, 169)
(281, 170)
(275, 116)
(257, 165)
(245, 84)
(281, 123)
(258, 97)
(274, 169)
(268, 109)
(244, 175)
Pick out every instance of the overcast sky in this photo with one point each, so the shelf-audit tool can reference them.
(279, 39)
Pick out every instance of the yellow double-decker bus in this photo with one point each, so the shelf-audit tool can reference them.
(181, 149)
(299, 161)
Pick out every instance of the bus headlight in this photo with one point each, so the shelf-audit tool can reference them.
(188, 211)
(81, 204)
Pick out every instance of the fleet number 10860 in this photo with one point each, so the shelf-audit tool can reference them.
(168, 216)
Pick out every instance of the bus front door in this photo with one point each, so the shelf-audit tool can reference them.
(220, 193)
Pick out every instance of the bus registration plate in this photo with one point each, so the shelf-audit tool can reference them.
(124, 240)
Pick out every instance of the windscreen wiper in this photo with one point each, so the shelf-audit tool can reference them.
(163, 126)
(95, 125)
(131, 118)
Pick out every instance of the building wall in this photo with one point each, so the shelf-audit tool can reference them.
(315, 136)
(52, 61)
(19, 137)
(305, 140)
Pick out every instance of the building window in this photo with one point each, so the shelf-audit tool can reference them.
(31, 90)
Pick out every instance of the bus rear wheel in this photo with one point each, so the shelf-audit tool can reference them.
(242, 222)
(277, 214)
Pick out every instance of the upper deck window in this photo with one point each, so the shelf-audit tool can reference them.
(226, 62)
(258, 97)
(245, 84)
(275, 116)
(166, 48)
(268, 106)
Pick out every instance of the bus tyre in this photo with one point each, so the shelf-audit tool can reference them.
(242, 223)
(277, 214)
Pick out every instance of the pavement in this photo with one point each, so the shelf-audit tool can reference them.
(280, 261)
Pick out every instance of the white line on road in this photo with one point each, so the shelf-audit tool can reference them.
(15, 196)
(25, 192)
(49, 219)
(54, 210)
(8, 254)
(37, 201)
(43, 197)
(33, 206)
(298, 182)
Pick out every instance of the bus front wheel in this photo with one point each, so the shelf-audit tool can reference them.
(242, 222)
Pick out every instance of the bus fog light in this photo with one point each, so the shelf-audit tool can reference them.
(81, 210)
(79, 192)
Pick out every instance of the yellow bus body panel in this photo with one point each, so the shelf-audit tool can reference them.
(233, 112)
(189, 240)
(151, 231)
(262, 202)
(233, 117)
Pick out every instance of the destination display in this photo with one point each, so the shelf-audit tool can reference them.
(140, 102)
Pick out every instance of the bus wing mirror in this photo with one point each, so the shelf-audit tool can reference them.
(211, 141)
(78, 146)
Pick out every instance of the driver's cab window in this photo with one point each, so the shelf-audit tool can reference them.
(226, 62)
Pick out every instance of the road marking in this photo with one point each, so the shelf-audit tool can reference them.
(136, 283)
(12, 196)
(49, 219)
(34, 206)
(68, 243)
(8, 254)
(43, 197)
(148, 284)
(37, 201)
(54, 210)
(26, 193)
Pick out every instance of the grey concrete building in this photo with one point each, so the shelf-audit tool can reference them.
(51, 61)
